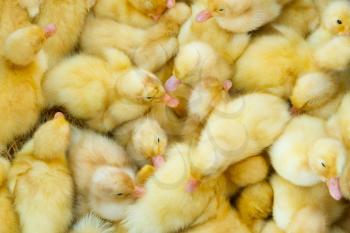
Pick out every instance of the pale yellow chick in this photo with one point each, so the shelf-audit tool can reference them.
(8, 216)
(40, 180)
(92, 224)
(103, 176)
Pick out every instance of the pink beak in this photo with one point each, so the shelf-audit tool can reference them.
(58, 114)
(158, 161)
(139, 191)
(156, 17)
(334, 188)
(172, 84)
(203, 16)
(227, 85)
(192, 185)
(170, 101)
(50, 30)
(170, 3)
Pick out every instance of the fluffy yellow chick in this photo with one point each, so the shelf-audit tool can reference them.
(278, 60)
(255, 202)
(135, 13)
(305, 155)
(41, 170)
(249, 171)
(226, 221)
(145, 141)
(20, 97)
(292, 202)
(92, 224)
(89, 89)
(148, 48)
(242, 16)
(103, 176)
(236, 130)
(331, 41)
(8, 215)
(167, 206)
(69, 18)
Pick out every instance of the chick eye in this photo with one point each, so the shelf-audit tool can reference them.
(119, 194)
(323, 165)
(221, 9)
(148, 97)
(158, 140)
(339, 21)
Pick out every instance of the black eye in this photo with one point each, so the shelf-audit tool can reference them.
(221, 9)
(323, 165)
(148, 97)
(158, 140)
(339, 21)
(119, 194)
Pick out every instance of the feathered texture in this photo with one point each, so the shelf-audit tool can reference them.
(92, 224)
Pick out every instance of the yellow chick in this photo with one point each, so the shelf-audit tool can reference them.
(8, 215)
(167, 206)
(69, 18)
(331, 41)
(242, 16)
(292, 202)
(255, 202)
(89, 89)
(41, 170)
(92, 224)
(20, 95)
(103, 176)
(145, 141)
(305, 155)
(249, 171)
(278, 60)
(148, 48)
(237, 130)
(135, 13)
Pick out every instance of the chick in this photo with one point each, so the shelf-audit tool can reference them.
(41, 170)
(331, 40)
(103, 176)
(148, 48)
(21, 96)
(237, 130)
(8, 215)
(242, 16)
(145, 141)
(292, 202)
(22, 46)
(278, 60)
(255, 202)
(89, 89)
(92, 224)
(249, 171)
(167, 206)
(132, 12)
(311, 155)
(69, 18)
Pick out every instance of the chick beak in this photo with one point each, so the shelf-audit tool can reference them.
(203, 16)
(295, 111)
(192, 185)
(227, 85)
(170, 3)
(334, 188)
(156, 17)
(158, 161)
(172, 84)
(170, 101)
(50, 30)
(139, 191)
(58, 115)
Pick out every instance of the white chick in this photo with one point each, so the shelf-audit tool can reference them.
(40, 169)
(305, 155)
(103, 176)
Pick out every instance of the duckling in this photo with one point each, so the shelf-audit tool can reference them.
(255, 203)
(291, 202)
(145, 141)
(242, 16)
(92, 224)
(40, 168)
(331, 40)
(89, 89)
(7, 213)
(133, 12)
(21, 95)
(311, 155)
(69, 18)
(148, 48)
(103, 176)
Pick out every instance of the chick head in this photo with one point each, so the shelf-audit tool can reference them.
(336, 17)
(313, 90)
(113, 184)
(52, 138)
(152, 8)
(149, 139)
